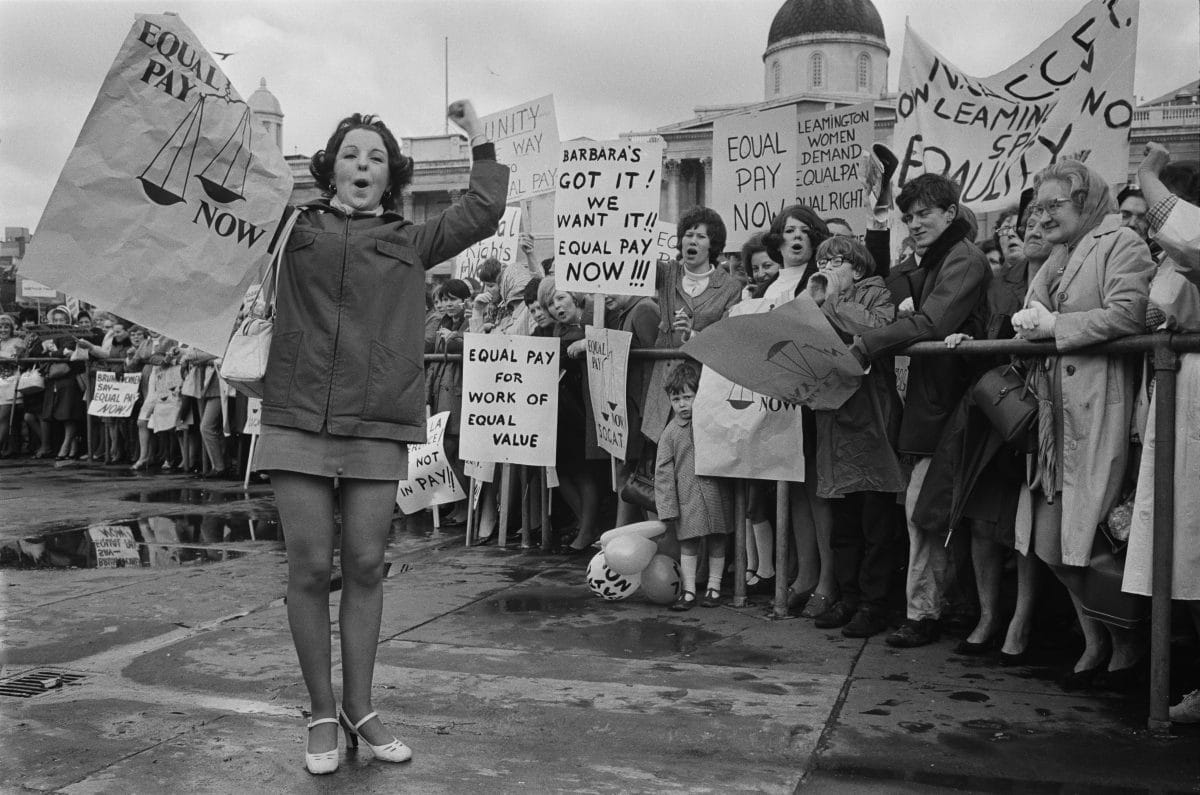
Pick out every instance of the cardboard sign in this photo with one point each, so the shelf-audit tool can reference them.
(36, 290)
(526, 139)
(253, 416)
(503, 246)
(431, 479)
(607, 365)
(168, 204)
(666, 241)
(740, 433)
(483, 471)
(829, 171)
(114, 397)
(510, 399)
(604, 214)
(115, 547)
(1072, 97)
(754, 158)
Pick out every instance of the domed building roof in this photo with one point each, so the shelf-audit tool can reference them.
(807, 17)
(263, 102)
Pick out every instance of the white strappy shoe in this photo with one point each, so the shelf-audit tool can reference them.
(325, 762)
(395, 751)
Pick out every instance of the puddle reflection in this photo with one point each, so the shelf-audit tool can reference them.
(154, 541)
(186, 496)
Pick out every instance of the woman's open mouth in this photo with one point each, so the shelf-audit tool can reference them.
(362, 183)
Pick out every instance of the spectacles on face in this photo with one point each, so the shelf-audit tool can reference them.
(1006, 230)
(830, 263)
(1051, 207)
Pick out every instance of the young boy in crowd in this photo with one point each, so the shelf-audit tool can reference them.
(857, 467)
(694, 505)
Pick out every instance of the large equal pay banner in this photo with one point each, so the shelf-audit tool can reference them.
(605, 210)
(510, 399)
(1070, 97)
(167, 205)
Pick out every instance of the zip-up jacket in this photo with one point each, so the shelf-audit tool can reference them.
(347, 349)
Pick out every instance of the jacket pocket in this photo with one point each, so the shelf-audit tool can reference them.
(395, 387)
(300, 238)
(406, 255)
(281, 368)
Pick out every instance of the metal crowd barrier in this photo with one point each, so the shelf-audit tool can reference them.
(1164, 348)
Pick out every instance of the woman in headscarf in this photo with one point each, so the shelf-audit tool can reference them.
(1093, 288)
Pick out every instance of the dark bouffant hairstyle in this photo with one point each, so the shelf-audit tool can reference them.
(683, 377)
(400, 168)
(489, 270)
(1182, 179)
(454, 288)
(931, 190)
(818, 233)
(693, 217)
(753, 245)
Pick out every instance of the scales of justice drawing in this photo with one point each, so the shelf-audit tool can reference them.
(165, 180)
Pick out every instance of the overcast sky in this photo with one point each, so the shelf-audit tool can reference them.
(612, 65)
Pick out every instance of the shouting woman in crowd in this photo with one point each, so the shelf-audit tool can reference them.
(345, 396)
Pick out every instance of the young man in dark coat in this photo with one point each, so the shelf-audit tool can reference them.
(939, 290)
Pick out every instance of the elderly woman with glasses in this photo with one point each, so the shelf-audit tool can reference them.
(1093, 288)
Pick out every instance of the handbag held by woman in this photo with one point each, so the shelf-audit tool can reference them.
(245, 361)
(1007, 399)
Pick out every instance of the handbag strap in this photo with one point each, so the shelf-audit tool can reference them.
(280, 245)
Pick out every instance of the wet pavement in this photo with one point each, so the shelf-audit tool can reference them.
(500, 669)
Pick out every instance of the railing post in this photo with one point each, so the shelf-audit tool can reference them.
(739, 543)
(1166, 363)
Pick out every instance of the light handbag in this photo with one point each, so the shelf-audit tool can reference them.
(31, 381)
(1005, 397)
(245, 361)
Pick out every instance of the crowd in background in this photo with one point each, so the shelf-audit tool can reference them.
(186, 419)
(902, 467)
(899, 468)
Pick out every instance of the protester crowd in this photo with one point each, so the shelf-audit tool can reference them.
(1076, 263)
(186, 418)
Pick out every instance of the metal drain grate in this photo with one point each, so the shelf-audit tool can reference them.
(36, 683)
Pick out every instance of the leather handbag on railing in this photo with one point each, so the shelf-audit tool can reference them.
(1005, 396)
(245, 361)
(639, 487)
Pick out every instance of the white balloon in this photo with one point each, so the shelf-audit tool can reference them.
(606, 583)
(648, 529)
(630, 553)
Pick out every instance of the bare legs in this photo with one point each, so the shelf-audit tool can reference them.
(306, 507)
(987, 559)
(1016, 640)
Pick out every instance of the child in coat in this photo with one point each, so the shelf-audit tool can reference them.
(857, 467)
(696, 506)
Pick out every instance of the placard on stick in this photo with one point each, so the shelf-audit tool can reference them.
(604, 214)
(829, 171)
(754, 158)
(608, 363)
(526, 138)
(510, 399)
(503, 246)
(431, 479)
(114, 397)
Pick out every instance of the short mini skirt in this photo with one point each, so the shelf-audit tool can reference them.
(326, 455)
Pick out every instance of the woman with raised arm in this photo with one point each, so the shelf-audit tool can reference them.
(344, 396)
